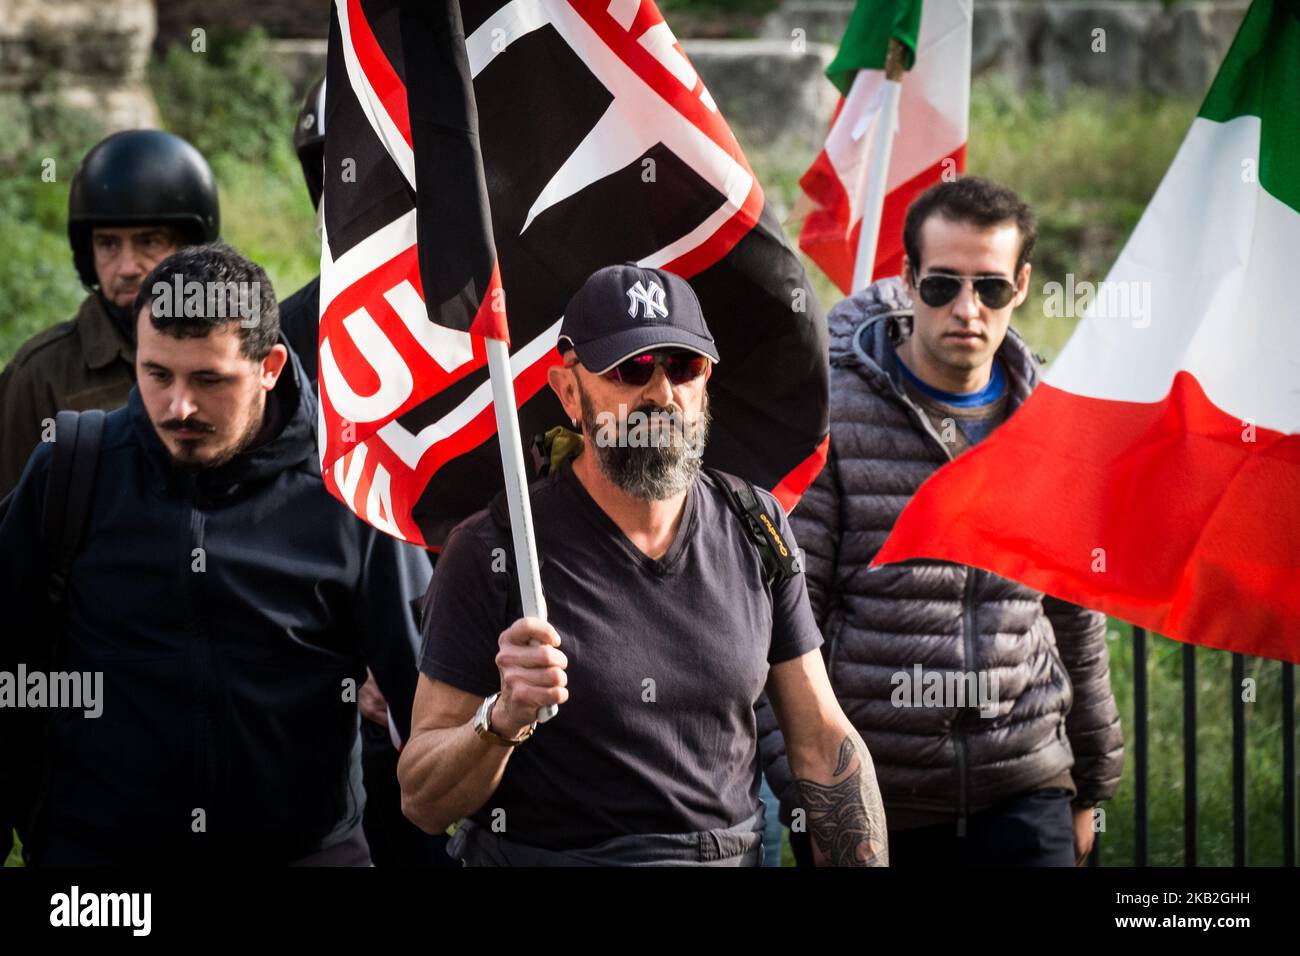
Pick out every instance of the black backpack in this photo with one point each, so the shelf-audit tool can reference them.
(69, 491)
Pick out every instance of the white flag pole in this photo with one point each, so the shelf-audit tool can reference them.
(878, 167)
(527, 567)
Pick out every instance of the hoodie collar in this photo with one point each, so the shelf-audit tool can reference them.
(286, 447)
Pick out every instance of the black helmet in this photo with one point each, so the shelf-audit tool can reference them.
(309, 139)
(141, 176)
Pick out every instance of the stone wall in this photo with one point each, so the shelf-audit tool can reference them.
(91, 55)
(290, 19)
(776, 99)
(1146, 45)
(773, 92)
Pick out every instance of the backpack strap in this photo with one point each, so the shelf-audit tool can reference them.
(68, 494)
(779, 562)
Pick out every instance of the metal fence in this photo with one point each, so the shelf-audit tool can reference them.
(1141, 764)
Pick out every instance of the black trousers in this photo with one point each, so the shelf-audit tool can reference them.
(1033, 829)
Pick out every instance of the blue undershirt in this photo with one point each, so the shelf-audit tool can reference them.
(991, 392)
(976, 413)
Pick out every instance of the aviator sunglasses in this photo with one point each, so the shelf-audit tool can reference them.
(938, 289)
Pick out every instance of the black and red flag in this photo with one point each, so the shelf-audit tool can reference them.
(486, 145)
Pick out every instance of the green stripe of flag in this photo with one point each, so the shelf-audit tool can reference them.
(866, 41)
(1261, 77)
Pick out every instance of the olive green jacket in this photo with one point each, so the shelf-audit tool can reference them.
(78, 365)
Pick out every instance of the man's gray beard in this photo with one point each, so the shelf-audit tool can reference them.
(658, 470)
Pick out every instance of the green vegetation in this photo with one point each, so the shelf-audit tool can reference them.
(239, 110)
(39, 149)
(230, 103)
(1088, 162)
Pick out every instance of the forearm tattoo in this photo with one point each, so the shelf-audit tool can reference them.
(847, 818)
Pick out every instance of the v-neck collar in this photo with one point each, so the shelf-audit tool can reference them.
(609, 527)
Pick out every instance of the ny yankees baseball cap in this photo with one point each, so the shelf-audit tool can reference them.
(622, 311)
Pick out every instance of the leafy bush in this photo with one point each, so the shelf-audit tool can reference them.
(1088, 162)
(238, 109)
(229, 100)
(41, 143)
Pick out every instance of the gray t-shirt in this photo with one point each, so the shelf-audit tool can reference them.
(666, 661)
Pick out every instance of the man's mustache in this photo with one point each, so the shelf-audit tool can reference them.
(189, 425)
(670, 412)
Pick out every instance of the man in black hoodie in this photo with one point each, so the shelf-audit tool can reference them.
(394, 840)
(223, 604)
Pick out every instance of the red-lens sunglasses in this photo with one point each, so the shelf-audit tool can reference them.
(680, 365)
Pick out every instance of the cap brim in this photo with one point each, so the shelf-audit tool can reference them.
(602, 354)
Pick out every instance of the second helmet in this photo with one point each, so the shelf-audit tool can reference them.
(140, 177)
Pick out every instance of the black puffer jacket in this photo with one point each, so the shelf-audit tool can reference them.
(1055, 717)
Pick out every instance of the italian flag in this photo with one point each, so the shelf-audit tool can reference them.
(931, 137)
(1156, 473)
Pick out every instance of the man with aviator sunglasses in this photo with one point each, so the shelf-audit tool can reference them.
(987, 704)
(664, 628)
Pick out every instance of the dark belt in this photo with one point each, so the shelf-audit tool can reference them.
(740, 845)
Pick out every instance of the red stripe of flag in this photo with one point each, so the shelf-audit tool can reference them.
(826, 237)
(381, 76)
(1056, 496)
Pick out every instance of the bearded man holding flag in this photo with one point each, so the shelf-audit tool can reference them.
(667, 620)
(454, 179)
